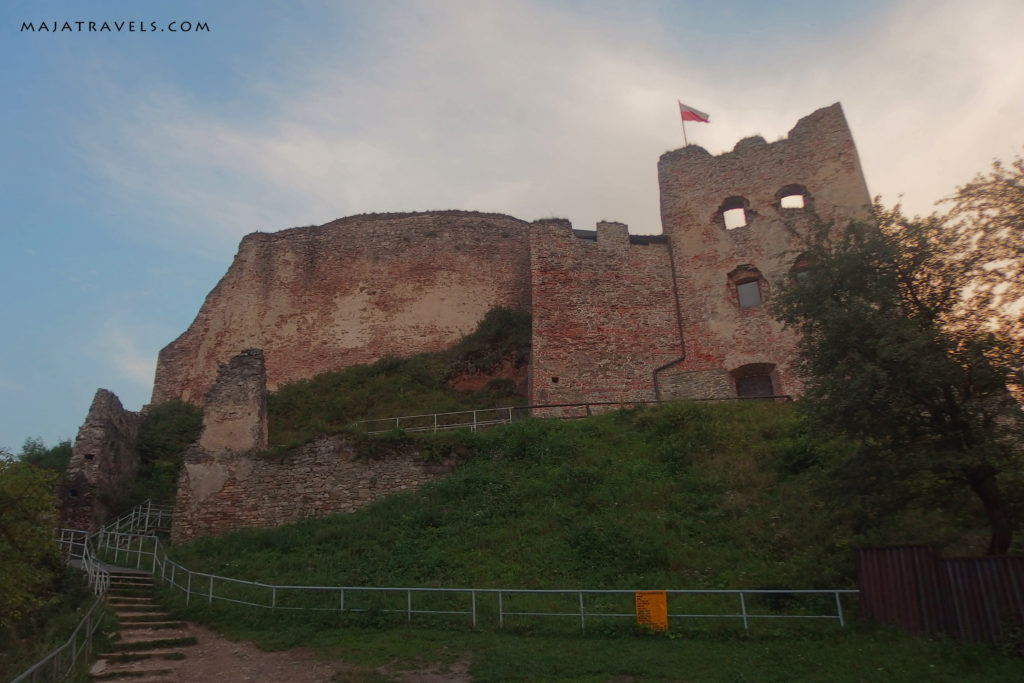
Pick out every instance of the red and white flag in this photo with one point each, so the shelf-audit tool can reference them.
(691, 114)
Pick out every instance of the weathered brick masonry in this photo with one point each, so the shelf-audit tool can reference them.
(227, 484)
(348, 292)
(616, 317)
(725, 341)
(604, 313)
(104, 463)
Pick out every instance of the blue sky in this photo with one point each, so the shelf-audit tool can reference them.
(133, 162)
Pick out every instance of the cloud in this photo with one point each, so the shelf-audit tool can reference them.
(122, 351)
(536, 111)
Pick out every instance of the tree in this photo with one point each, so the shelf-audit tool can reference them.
(988, 216)
(29, 558)
(893, 356)
(35, 452)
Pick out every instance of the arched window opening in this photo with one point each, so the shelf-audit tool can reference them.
(754, 380)
(792, 197)
(735, 212)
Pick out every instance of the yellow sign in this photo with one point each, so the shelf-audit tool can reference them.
(652, 610)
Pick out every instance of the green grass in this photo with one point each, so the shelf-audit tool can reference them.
(857, 654)
(678, 496)
(673, 496)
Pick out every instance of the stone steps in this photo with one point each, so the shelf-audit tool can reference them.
(150, 643)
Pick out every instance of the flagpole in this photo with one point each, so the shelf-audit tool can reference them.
(686, 143)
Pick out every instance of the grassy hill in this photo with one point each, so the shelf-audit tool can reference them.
(730, 495)
(695, 495)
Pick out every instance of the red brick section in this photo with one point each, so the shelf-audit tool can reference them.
(604, 314)
(720, 337)
(351, 291)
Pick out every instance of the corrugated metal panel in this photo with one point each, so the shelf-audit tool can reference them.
(902, 586)
(914, 588)
(986, 593)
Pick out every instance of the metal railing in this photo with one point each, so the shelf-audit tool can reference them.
(498, 604)
(79, 549)
(65, 660)
(488, 417)
(145, 517)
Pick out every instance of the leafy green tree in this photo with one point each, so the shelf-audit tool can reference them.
(35, 451)
(166, 431)
(891, 356)
(29, 558)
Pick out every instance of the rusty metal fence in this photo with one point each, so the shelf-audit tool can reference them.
(917, 589)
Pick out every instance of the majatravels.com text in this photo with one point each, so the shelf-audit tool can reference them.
(115, 27)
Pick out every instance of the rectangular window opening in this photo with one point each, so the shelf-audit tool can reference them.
(793, 201)
(735, 218)
(749, 293)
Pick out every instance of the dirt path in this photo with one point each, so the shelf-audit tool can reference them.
(219, 660)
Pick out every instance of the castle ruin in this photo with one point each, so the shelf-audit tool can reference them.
(616, 317)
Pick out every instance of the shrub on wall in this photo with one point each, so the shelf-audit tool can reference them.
(166, 431)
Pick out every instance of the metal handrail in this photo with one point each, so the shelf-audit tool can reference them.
(148, 554)
(79, 547)
(470, 419)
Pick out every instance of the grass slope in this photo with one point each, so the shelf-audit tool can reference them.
(675, 496)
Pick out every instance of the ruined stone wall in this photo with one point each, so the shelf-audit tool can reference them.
(722, 338)
(235, 408)
(328, 476)
(604, 315)
(104, 463)
(227, 483)
(351, 291)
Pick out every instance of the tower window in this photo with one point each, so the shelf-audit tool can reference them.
(749, 293)
(792, 197)
(735, 218)
(748, 284)
(735, 212)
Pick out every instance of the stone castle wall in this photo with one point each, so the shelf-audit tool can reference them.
(221, 492)
(348, 292)
(604, 313)
(227, 483)
(616, 317)
(235, 407)
(104, 463)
